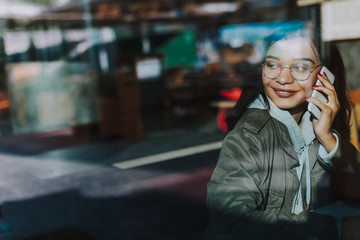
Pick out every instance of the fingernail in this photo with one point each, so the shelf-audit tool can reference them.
(320, 74)
(325, 74)
(307, 97)
(316, 85)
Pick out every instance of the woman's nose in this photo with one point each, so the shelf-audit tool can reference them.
(285, 76)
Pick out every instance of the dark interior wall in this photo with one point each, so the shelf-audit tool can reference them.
(349, 51)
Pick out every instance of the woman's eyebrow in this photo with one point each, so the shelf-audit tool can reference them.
(273, 57)
(304, 59)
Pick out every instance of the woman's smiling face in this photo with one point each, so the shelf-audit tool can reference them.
(284, 90)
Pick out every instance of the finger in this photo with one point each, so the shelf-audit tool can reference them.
(325, 81)
(331, 94)
(325, 110)
(322, 77)
(325, 90)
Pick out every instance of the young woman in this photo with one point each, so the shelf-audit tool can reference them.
(278, 162)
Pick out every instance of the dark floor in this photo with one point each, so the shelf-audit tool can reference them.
(57, 187)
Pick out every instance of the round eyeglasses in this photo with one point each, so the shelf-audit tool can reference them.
(299, 71)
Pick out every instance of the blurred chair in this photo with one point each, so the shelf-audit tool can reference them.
(351, 224)
(354, 96)
(185, 96)
(213, 68)
(350, 228)
(119, 105)
(4, 104)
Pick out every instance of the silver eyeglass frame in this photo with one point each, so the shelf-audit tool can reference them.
(290, 68)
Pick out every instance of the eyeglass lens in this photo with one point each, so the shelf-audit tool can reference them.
(299, 71)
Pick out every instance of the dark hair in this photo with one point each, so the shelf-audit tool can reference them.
(253, 87)
(334, 62)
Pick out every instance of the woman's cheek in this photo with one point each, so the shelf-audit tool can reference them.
(308, 89)
(309, 92)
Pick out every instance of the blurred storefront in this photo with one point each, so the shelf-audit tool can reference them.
(119, 69)
(120, 106)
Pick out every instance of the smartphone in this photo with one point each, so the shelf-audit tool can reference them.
(314, 110)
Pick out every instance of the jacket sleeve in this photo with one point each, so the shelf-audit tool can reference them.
(236, 197)
(346, 171)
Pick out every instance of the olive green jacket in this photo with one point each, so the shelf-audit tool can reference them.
(252, 188)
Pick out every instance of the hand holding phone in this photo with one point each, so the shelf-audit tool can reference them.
(312, 108)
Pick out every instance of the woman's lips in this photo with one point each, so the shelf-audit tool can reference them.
(284, 93)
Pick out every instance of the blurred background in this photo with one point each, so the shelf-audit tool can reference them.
(101, 98)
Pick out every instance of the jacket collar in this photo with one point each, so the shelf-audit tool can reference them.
(291, 137)
(262, 117)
